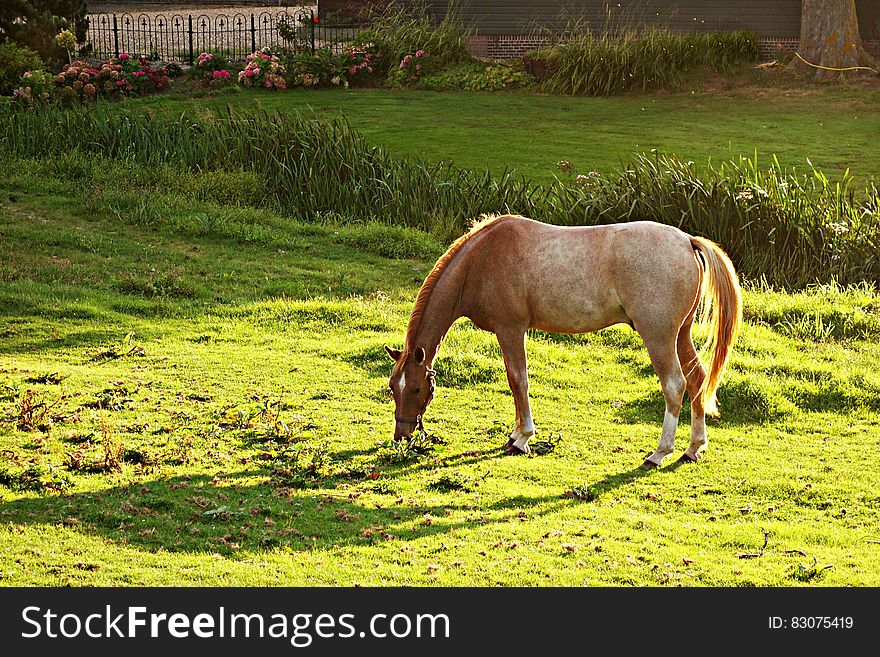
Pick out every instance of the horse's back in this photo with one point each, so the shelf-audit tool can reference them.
(583, 278)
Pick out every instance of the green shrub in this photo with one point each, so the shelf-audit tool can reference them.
(35, 87)
(612, 63)
(478, 76)
(323, 68)
(15, 60)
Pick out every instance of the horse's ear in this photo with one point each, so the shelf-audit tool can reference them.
(420, 355)
(393, 353)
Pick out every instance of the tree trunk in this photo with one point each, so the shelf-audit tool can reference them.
(830, 38)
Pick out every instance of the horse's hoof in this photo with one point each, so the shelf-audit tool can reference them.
(648, 465)
(686, 458)
(513, 450)
(509, 443)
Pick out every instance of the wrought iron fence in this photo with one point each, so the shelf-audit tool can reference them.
(180, 38)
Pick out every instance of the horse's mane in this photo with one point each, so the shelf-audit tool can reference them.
(415, 318)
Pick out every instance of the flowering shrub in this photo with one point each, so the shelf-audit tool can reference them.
(81, 81)
(263, 69)
(212, 69)
(36, 87)
(220, 78)
(144, 78)
(409, 70)
(361, 61)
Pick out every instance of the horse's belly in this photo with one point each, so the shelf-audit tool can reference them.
(576, 310)
(584, 323)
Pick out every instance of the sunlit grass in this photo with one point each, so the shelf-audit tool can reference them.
(240, 366)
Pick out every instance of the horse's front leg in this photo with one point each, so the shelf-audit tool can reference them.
(513, 348)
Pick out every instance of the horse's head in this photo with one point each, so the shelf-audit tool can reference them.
(412, 384)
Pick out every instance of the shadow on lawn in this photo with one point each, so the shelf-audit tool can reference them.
(250, 511)
(202, 514)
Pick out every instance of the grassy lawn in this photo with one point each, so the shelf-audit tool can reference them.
(834, 127)
(197, 394)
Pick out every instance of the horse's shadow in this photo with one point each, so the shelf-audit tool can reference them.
(610, 482)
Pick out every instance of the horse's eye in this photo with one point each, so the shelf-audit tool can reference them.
(417, 391)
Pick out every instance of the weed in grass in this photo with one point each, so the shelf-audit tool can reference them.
(111, 399)
(542, 447)
(585, 492)
(33, 411)
(47, 378)
(11, 392)
(125, 349)
(457, 481)
(404, 450)
(302, 465)
(182, 452)
(808, 573)
(112, 448)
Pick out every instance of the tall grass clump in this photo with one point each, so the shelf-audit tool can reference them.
(397, 31)
(307, 167)
(791, 230)
(613, 62)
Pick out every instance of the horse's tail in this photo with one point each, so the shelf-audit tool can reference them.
(722, 307)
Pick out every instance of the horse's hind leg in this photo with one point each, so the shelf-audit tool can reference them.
(695, 374)
(664, 357)
(513, 348)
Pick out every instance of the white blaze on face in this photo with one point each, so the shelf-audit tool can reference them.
(402, 381)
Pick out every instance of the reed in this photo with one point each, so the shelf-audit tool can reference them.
(587, 64)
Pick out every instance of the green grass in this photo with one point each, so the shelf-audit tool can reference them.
(209, 406)
(833, 127)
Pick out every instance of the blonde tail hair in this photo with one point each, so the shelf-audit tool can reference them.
(722, 308)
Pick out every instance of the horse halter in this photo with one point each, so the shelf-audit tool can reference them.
(417, 420)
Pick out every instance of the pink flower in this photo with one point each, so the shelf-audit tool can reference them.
(123, 56)
(27, 74)
(268, 84)
(419, 53)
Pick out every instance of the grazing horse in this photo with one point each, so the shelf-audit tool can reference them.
(510, 274)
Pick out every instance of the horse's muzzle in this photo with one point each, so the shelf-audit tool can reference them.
(405, 426)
